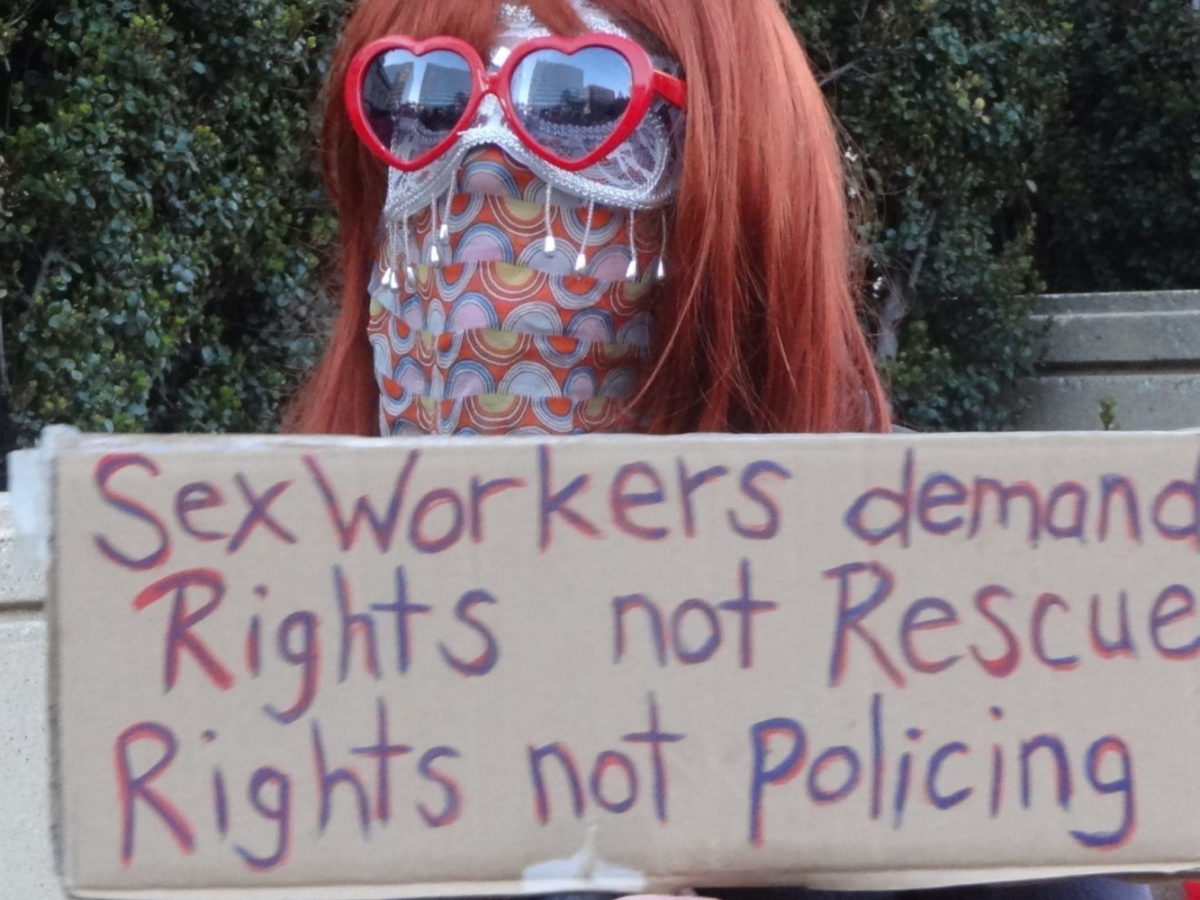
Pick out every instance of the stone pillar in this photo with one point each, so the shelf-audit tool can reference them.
(26, 857)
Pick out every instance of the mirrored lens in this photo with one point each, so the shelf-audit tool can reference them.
(571, 104)
(412, 102)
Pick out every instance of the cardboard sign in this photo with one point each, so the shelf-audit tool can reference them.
(366, 669)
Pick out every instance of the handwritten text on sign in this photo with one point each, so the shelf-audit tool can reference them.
(312, 586)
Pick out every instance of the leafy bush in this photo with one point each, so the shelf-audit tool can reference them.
(162, 222)
(1121, 208)
(946, 106)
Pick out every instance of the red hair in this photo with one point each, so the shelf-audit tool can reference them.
(757, 325)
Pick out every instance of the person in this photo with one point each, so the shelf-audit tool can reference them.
(504, 297)
(565, 216)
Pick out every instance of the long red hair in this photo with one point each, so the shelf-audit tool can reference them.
(757, 325)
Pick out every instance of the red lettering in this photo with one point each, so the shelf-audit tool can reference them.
(133, 789)
(193, 498)
(179, 636)
(107, 468)
(260, 514)
(623, 500)
(1005, 665)
(382, 526)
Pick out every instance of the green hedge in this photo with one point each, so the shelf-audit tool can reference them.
(1121, 207)
(162, 229)
(946, 106)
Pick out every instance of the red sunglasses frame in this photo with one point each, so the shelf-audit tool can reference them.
(647, 82)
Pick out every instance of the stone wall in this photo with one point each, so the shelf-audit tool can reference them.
(1133, 358)
(26, 859)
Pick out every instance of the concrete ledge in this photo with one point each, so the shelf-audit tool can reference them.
(20, 584)
(1098, 330)
(1143, 402)
(1133, 301)
(1138, 352)
(1120, 338)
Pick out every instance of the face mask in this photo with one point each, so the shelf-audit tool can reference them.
(512, 295)
(502, 337)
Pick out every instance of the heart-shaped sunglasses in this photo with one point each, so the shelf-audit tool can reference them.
(572, 101)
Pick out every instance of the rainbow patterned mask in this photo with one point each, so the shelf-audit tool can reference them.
(526, 318)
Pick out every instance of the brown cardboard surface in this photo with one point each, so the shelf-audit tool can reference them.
(366, 669)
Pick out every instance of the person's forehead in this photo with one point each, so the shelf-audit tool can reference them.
(519, 23)
(518, 19)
